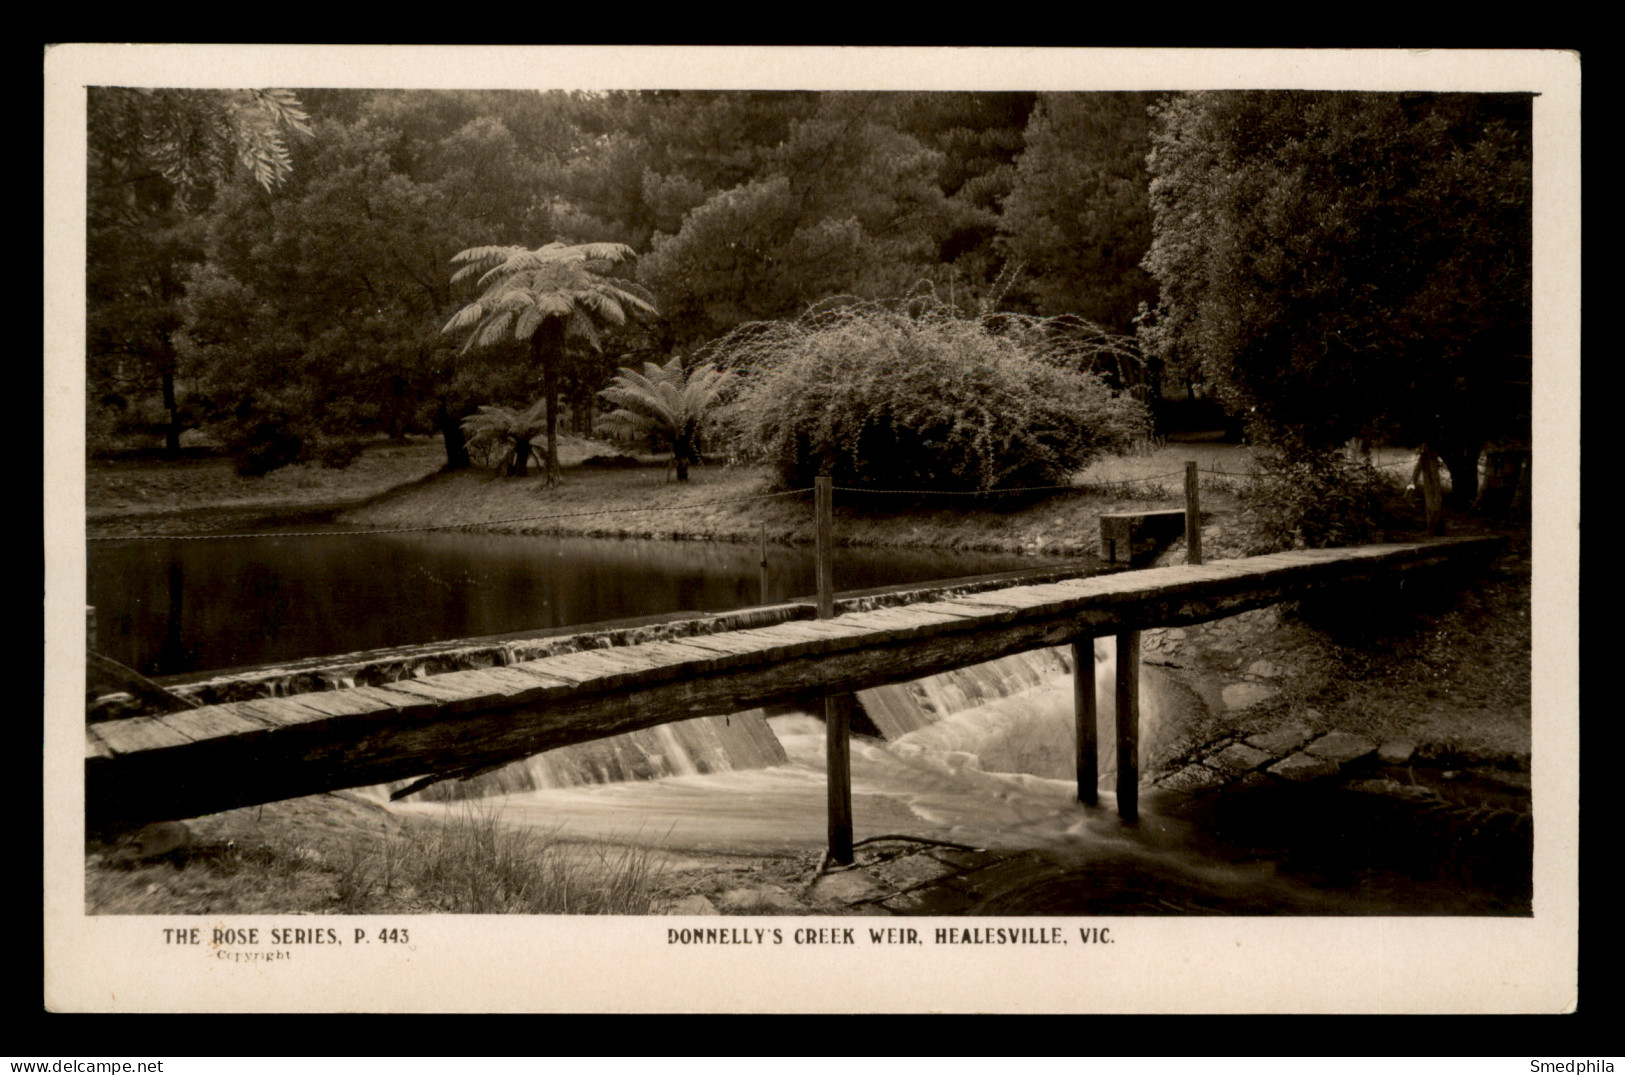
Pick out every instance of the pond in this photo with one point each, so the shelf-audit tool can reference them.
(173, 606)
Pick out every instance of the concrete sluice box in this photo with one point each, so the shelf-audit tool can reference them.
(1124, 534)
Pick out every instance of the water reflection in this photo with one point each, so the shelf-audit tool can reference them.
(172, 606)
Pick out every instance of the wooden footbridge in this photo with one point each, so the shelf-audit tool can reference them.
(217, 757)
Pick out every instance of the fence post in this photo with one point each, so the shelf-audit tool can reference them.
(764, 564)
(1128, 725)
(1432, 494)
(824, 493)
(1193, 516)
(1083, 712)
(837, 706)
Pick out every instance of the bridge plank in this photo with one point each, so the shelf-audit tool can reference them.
(731, 649)
(605, 669)
(964, 612)
(138, 734)
(339, 703)
(209, 722)
(517, 683)
(428, 688)
(907, 619)
(828, 636)
(94, 747)
(802, 637)
(277, 712)
(403, 705)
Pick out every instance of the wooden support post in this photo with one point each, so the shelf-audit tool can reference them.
(824, 493)
(1193, 516)
(1083, 710)
(1432, 494)
(763, 591)
(1128, 725)
(90, 628)
(838, 762)
(837, 707)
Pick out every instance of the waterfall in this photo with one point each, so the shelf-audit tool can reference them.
(901, 708)
(1015, 714)
(685, 748)
(1012, 715)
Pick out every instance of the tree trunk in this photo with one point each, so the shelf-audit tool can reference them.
(451, 430)
(1503, 469)
(172, 434)
(519, 465)
(1462, 462)
(681, 448)
(545, 349)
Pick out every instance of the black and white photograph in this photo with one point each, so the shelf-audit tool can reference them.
(811, 529)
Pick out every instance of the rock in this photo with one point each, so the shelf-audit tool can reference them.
(848, 887)
(766, 897)
(1396, 752)
(1301, 766)
(1264, 669)
(1176, 633)
(1281, 740)
(154, 842)
(1239, 759)
(1192, 779)
(691, 905)
(911, 870)
(1377, 787)
(1341, 747)
(1242, 695)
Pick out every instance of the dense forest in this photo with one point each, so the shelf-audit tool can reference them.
(274, 269)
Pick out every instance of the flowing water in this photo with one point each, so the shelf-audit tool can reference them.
(984, 756)
(981, 756)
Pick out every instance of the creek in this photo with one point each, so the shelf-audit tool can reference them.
(984, 756)
(980, 756)
(172, 606)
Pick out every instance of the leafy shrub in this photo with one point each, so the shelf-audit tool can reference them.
(336, 453)
(1298, 497)
(264, 447)
(882, 396)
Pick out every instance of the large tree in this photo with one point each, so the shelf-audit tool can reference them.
(540, 298)
(848, 203)
(320, 306)
(155, 160)
(1351, 263)
(1077, 217)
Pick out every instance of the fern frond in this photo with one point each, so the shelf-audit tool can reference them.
(468, 315)
(494, 328)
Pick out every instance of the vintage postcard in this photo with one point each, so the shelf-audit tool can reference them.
(811, 530)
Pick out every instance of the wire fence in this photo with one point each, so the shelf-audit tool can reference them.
(445, 526)
(1077, 487)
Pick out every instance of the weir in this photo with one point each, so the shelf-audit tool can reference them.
(234, 754)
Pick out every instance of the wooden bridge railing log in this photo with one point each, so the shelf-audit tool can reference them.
(214, 758)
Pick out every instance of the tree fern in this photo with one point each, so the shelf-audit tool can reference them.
(506, 435)
(668, 399)
(543, 296)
